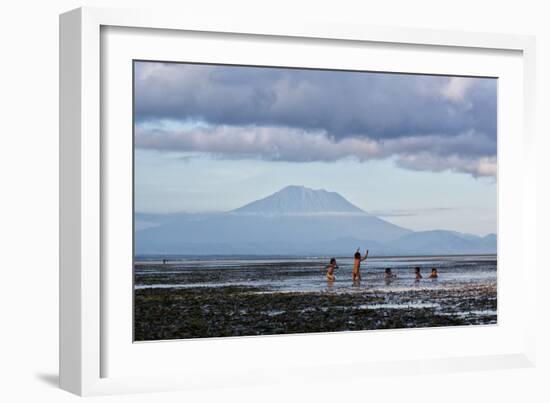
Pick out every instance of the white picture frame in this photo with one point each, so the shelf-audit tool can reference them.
(85, 343)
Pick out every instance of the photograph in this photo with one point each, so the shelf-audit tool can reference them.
(278, 200)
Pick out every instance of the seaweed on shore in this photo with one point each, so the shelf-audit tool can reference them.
(170, 313)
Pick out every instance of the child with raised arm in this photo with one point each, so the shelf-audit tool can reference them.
(330, 270)
(357, 259)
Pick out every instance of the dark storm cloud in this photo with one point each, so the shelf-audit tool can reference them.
(342, 103)
(426, 122)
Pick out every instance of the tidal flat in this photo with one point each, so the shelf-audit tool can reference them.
(182, 301)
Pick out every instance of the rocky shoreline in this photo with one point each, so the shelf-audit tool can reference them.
(198, 312)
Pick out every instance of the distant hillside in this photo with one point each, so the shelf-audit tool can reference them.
(444, 242)
(295, 221)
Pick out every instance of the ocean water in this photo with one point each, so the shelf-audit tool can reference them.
(308, 274)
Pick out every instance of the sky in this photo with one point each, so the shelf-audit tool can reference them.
(417, 150)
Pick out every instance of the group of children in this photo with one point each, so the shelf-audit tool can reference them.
(356, 273)
(418, 275)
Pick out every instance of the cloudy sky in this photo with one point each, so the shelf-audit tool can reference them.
(418, 150)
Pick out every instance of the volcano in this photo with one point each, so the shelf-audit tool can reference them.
(295, 220)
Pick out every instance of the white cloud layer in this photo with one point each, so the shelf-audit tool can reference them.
(469, 152)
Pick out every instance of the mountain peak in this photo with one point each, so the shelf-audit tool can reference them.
(297, 199)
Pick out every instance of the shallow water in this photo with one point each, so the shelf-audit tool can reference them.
(308, 274)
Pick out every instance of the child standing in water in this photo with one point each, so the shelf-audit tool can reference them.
(434, 273)
(330, 270)
(417, 275)
(388, 274)
(357, 259)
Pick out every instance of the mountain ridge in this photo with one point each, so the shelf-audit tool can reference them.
(295, 221)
